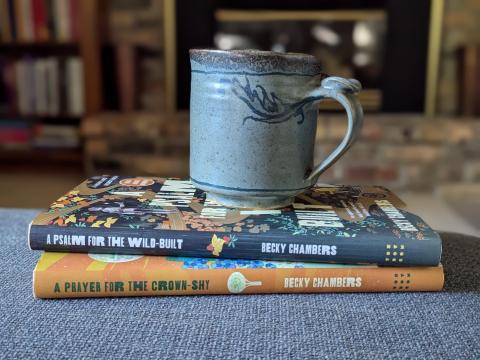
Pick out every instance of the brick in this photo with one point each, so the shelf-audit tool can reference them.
(471, 171)
(470, 150)
(337, 127)
(450, 172)
(411, 153)
(96, 147)
(475, 124)
(322, 128)
(459, 132)
(372, 130)
(433, 131)
(362, 151)
(371, 173)
(419, 177)
(322, 149)
(332, 175)
(454, 19)
(402, 134)
(92, 126)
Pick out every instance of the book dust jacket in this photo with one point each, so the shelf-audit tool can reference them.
(170, 217)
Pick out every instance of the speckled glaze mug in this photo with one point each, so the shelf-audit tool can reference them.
(253, 120)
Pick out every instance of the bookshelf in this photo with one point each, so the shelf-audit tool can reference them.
(40, 47)
(35, 31)
(138, 129)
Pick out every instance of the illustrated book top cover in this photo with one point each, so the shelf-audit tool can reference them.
(155, 216)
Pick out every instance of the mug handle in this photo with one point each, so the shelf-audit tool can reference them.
(344, 91)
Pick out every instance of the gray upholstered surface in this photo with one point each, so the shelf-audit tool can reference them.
(426, 325)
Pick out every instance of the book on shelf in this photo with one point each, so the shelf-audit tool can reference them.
(53, 86)
(25, 84)
(14, 134)
(25, 21)
(9, 82)
(3, 87)
(170, 217)
(37, 21)
(5, 34)
(68, 275)
(127, 76)
(74, 19)
(74, 83)
(41, 89)
(62, 20)
(11, 19)
(56, 136)
(40, 20)
(44, 86)
(16, 22)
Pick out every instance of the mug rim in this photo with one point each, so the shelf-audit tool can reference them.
(260, 61)
(253, 52)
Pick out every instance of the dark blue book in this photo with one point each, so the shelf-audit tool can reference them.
(155, 216)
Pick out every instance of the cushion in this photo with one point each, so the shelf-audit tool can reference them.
(405, 325)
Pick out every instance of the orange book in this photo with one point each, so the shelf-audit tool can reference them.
(24, 21)
(70, 275)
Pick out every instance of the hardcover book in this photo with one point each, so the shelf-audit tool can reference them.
(154, 216)
(64, 275)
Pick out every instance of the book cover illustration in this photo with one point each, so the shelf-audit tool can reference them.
(64, 275)
(154, 216)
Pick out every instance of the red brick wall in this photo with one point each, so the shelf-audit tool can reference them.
(403, 151)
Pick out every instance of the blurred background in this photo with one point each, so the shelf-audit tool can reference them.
(90, 87)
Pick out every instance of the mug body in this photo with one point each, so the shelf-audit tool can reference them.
(252, 132)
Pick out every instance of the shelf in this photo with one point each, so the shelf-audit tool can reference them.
(37, 45)
(40, 48)
(62, 119)
(46, 156)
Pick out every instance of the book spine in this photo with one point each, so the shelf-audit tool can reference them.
(62, 20)
(21, 86)
(74, 86)
(62, 85)
(26, 21)
(126, 75)
(12, 16)
(6, 35)
(40, 87)
(10, 83)
(9, 135)
(40, 20)
(477, 77)
(164, 281)
(3, 86)
(50, 19)
(377, 250)
(75, 19)
(19, 20)
(53, 86)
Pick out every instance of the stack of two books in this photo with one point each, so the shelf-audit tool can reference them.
(130, 236)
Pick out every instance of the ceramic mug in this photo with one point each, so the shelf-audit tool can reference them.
(253, 120)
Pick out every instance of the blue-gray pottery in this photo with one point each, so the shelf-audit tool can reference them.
(253, 119)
